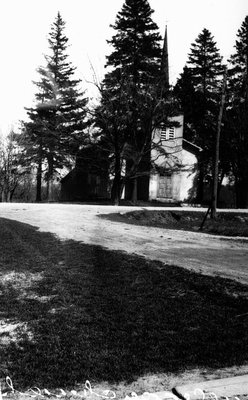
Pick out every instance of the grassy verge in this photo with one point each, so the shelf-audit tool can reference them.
(226, 223)
(71, 312)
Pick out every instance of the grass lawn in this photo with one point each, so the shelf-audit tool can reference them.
(226, 223)
(71, 312)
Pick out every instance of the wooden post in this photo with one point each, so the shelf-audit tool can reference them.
(217, 151)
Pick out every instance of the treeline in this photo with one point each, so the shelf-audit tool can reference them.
(135, 98)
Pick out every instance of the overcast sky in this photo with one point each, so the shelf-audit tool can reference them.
(25, 24)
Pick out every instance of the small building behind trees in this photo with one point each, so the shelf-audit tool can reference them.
(89, 179)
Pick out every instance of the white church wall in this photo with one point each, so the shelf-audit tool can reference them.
(188, 174)
(153, 186)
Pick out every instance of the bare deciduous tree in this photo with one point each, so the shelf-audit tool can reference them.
(12, 169)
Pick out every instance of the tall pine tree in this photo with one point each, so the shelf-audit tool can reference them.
(237, 114)
(57, 124)
(199, 91)
(136, 44)
(130, 85)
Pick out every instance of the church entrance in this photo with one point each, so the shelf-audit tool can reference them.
(165, 186)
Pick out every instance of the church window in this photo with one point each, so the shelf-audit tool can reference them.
(163, 133)
(171, 132)
(167, 133)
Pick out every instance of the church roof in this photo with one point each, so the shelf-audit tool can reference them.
(191, 147)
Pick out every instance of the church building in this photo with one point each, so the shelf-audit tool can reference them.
(173, 158)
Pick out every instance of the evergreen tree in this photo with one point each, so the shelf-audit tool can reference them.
(205, 63)
(136, 44)
(129, 86)
(237, 115)
(239, 64)
(111, 118)
(34, 141)
(201, 85)
(57, 124)
(185, 91)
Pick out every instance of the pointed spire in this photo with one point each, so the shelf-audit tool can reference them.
(165, 62)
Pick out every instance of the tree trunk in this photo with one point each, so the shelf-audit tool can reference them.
(115, 193)
(39, 175)
(116, 190)
(49, 196)
(4, 197)
(8, 196)
(117, 186)
(38, 187)
(49, 177)
(12, 193)
(134, 191)
(217, 152)
(200, 186)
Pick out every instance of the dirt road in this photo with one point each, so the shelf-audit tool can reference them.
(204, 253)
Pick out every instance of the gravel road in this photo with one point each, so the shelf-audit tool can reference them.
(214, 255)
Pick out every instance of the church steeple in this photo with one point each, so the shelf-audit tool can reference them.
(165, 62)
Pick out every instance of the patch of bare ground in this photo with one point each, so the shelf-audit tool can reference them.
(226, 223)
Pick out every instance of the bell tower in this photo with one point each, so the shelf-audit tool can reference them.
(165, 62)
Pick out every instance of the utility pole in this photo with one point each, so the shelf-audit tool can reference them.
(217, 150)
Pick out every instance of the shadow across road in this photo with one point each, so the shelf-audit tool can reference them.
(71, 312)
